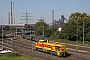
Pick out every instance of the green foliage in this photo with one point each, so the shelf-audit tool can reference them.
(16, 56)
(88, 36)
(69, 30)
(46, 31)
(41, 27)
(28, 28)
(69, 41)
(75, 26)
(52, 30)
(54, 33)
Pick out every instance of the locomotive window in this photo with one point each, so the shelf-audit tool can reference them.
(45, 41)
(57, 48)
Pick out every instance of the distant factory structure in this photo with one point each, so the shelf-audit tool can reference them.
(53, 18)
(58, 23)
(11, 19)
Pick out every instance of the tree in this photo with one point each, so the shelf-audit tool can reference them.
(28, 27)
(41, 27)
(75, 26)
(87, 37)
(54, 33)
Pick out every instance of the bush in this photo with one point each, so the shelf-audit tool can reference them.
(88, 36)
(14, 54)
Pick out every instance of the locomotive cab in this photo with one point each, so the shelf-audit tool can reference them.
(40, 44)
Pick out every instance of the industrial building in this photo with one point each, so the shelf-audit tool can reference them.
(58, 23)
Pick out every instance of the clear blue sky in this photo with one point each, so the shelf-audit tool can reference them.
(43, 8)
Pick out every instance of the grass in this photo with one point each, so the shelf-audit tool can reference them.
(69, 41)
(16, 56)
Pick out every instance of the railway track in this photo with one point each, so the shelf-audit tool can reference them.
(25, 47)
(77, 48)
(25, 50)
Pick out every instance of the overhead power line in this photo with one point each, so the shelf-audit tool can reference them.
(26, 17)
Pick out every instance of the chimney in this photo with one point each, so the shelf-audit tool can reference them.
(11, 14)
(53, 17)
(9, 22)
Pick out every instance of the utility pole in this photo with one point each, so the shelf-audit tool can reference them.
(77, 34)
(42, 21)
(43, 27)
(26, 17)
(83, 31)
(53, 18)
(2, 32)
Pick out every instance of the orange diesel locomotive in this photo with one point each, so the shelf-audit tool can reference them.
(51, 48)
